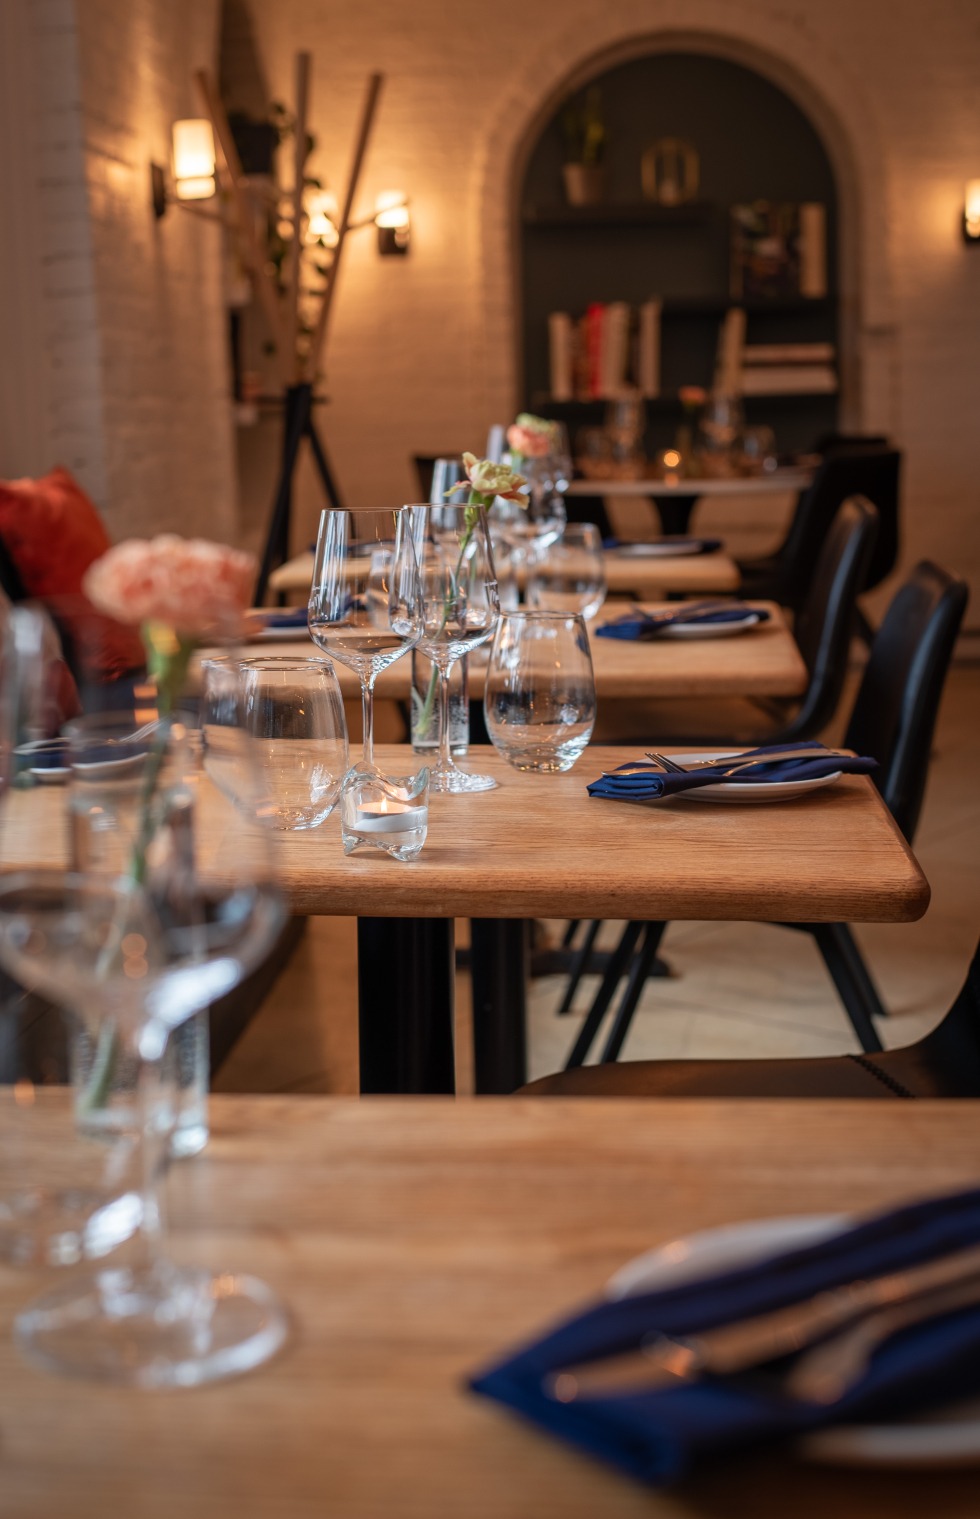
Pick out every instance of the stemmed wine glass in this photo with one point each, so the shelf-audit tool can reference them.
(365, 601)
(460, 611)
(529, 530)
(138, 955)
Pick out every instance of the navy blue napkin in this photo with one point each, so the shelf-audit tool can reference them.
(627, 784)
(660, 1436)
(640, 626)
(688, 545)
(291, 617)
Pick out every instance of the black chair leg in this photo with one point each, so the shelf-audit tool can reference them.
(859, 973)
(620, 959)
(580, 965)
(638, 977)
(848, 989)
(570, 932)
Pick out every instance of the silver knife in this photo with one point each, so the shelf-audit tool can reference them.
(661, 1360)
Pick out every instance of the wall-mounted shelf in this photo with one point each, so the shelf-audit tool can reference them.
(621, 214)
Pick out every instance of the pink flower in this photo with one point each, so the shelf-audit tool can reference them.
(488, 480)
(186, 583)
(529, 442)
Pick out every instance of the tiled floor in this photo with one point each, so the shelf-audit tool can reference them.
(737, 989)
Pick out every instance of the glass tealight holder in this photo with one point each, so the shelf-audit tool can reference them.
(390, 813)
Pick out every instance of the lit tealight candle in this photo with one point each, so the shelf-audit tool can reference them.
(389, 816)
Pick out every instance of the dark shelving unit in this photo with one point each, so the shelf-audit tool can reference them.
(754, 143)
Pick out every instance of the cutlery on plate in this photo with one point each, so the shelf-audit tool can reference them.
(739, 762)
(825, 1373)
(664, 1360)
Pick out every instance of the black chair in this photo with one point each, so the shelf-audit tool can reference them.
(944, 1064)
(862, 470)
(894, 719)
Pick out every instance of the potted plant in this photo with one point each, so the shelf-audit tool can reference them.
(585, 142)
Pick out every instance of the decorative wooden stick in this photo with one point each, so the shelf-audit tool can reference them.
(375, 81)
(296, 246)
(264, 283)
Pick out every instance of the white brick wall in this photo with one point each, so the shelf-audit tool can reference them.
(118, 328)
(127, 348)
(422, 355)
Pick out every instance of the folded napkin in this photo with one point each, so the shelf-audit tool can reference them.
(661, 1435)
(680, 546)
(640, 626)
(290, 617)
(628, 784)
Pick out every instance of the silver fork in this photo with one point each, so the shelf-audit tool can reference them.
(738, 762)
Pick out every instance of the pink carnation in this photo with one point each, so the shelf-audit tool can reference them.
(189, 584)
(530, 443)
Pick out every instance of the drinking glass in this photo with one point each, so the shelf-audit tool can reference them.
(570, 576)
(107, 754)
(294, 713)
(528, 529)
(63, 1194)
(460, 610)
(365, 601)
(540, 698)
(134, 956)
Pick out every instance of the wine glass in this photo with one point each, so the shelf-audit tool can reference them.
(66, 1198)
(527, 530)
(365, 601)
(460, 610)
(570, 576)
(136, 955)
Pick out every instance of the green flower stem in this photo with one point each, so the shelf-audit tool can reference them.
(168, 658)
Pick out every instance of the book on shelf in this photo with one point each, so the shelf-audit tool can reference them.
(778, 250)
(561, 356)
(789, 353)
(728, 359)
(610, 351)
(787, 379)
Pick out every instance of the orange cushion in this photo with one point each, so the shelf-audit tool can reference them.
(52, 533)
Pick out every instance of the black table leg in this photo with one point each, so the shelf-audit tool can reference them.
(675, 513)
(498, 968)
(406, 980)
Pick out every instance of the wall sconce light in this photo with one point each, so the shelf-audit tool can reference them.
(193, 166)
(393, 222)
(971, 212)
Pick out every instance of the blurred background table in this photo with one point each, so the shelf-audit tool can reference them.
(675, 500)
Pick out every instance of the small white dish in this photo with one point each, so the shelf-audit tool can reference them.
(683, 548)
(948, 1436)
(711, 629)
(747, 791)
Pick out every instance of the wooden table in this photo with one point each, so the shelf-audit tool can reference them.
(682, 575)
(415, 1241)
(539, 846)
(763, 662)
(675, 499)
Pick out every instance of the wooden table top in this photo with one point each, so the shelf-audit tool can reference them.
(763, 662)
(684, 574)
(697, 485)
(413, 1241)
(539, 846)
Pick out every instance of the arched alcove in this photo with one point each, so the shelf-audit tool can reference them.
(754, 143)
(791, 56)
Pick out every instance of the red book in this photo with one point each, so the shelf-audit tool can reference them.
(594, 317)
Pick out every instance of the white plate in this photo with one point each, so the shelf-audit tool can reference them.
(710, 629)
(948, 1436)
(298, 634)
(680, 550)
(748, 791)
